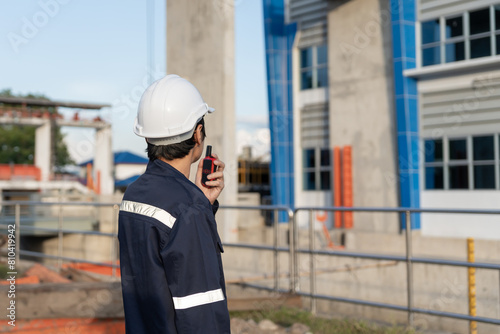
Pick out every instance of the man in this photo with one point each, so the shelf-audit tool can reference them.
(171, 268)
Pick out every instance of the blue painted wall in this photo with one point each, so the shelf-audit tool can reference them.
(403, 17)
(279, 41)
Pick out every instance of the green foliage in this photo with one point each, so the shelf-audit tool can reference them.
(286, 317)
(17, 143)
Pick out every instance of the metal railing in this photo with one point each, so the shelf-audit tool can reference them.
(61, 231)
(293, 250)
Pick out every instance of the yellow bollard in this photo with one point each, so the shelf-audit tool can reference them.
(472, 285)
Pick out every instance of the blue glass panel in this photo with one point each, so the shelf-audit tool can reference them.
(454, 27)
(431, 56)
(322, 53)
(322, 77)
(458, 149)
(306, 58)
(306, 80)
(434, 178)
(433, 150)
(430, 31)
(309, 181)
(479, 21)
(308, 160)
(483, 148)
(480, 47)
(454, 52)
(325, 180)
(484, 177)
(459, 177)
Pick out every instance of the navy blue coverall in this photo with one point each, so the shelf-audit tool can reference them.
(170, 261)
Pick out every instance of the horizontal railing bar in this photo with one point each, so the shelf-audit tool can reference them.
(260, 247)
(355, 301)
(286, 208)
(480, 265)
(71, 259)
(11, 203)
(399, 209)
(457, 316)
(355, 255)
(47, 229)
(402, 308)
(262, 287)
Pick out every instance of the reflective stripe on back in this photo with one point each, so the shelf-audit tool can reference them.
(149, 211)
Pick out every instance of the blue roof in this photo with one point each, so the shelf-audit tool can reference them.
(122, 157)
(126, 182)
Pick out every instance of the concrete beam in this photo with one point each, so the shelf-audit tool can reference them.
(43, 150)
(103, 161)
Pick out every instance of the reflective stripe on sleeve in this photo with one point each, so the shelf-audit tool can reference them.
(149, 211)
(202, 298)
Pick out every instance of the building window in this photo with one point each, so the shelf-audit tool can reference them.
(316, 163)
(313, 67)
(470, 35)
(434, 178)
(484, 162)
(470, 163)
(458, 169)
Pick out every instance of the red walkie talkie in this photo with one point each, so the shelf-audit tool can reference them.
(208, 167)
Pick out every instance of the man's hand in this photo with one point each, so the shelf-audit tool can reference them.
(216, 180)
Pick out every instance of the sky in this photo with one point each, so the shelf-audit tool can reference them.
(96, 52)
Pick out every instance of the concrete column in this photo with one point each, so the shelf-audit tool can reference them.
(43, 150)
(200, 48)
(103, 160)
(361, 106)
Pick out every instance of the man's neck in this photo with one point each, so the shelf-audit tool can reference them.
(183, 165)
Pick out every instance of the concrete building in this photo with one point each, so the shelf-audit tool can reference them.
(411, 86)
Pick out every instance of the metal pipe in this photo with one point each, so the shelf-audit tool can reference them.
(66, 258)
(312, 276)
(17, 232)
(292, 254)
(275, 250)
(472, 285)
(60, 238)
(409, 268)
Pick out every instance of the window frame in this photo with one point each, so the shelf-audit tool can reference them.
(446, 162)
(493, 34)
(317, 169)
(315, 66)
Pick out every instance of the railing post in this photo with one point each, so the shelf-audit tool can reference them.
(472, 285)
(409, 268)
(17, 232)
(60, 237)
(275, 245)
(311, 264)
(114, 254)
(291, 248)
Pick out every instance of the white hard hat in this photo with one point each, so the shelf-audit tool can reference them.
(169, 110)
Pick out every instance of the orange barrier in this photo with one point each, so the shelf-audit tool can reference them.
(27, 172)
(66, 325)
(94, 268)
(90, 180)
(337, 186)
(347, 185)
(98, 185)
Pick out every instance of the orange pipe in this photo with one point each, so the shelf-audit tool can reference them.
(347, 185)
(337, 187)
(98, 185)
(90, 182)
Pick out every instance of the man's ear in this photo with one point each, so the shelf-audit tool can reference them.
(198, 135)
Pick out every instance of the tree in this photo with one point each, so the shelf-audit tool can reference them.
(17, 143)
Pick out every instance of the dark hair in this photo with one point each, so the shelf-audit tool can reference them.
(175, 151)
